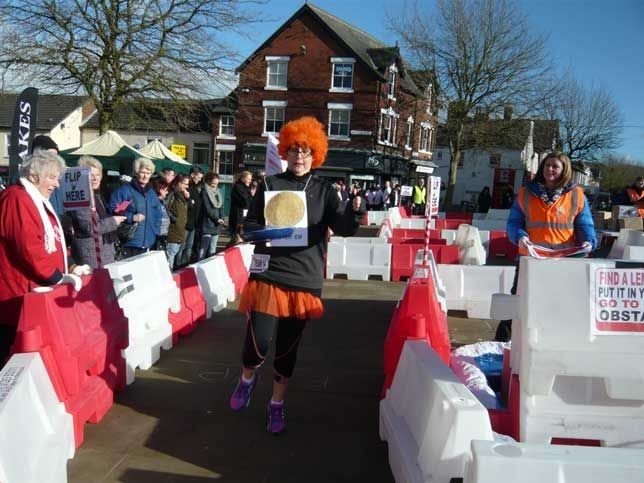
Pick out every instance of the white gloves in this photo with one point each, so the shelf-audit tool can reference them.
(82, 270)
(587, 246)
(524, 241)
(72, 279)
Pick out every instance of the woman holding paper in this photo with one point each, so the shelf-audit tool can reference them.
(94, 228)
(286, 278)
(550, 217)
(32, 243)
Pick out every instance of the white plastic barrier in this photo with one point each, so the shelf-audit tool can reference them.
(375, 217)
(439, 287)
(146, 291)
(247, 250)
(504, 306)
(490, 225)
(471, 251)
(215, 283)
(393, 214)
(358, 258)
(626, 238)
(429, 418)
(555, 313)
(37, 434)
(450, 237)
(470, 288)
(494, 462)
(415, 223)
(632, 252)
(495, 214)
(576, 382)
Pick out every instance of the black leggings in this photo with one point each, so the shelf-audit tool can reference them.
(259, 333)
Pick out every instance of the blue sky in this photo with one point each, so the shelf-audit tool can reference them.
(602, 42)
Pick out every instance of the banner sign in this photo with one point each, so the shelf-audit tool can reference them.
(76, 189)
(617, 301)
(179, 149)
(433, 199)
(23, 129)
(406, 190)
(274, 164)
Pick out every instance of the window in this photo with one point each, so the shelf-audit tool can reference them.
(391, 82)
(273, 115)
(227, 126)
(495, 159)
(276, 72)
(387, 128)
(430, 93)
(342, 74)
(339, 119)
(410, 133)
(7, 142)
(226, 162)
(201, 153)
(425, 137)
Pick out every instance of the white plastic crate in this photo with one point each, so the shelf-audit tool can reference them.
(429, 418)
(37, 435)
(494, 462)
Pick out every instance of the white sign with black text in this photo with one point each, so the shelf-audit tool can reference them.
(76, 189)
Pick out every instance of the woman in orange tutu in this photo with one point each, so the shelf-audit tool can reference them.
(286, 278)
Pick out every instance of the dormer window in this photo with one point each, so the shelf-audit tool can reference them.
(276, 72)
(391, 81)
(342, 74)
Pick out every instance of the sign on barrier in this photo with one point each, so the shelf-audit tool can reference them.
(617, 301)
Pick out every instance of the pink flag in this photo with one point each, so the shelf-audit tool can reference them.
(122, 206)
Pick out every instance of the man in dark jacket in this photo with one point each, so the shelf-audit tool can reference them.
(194, 215)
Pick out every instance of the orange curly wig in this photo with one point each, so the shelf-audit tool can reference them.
(305, 131)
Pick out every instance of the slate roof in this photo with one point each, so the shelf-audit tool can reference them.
(51, 109)
(508, 134)
(370, 51)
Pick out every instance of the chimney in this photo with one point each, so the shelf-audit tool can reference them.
(507, 112)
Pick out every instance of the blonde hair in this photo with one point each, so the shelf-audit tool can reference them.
(90, 162)
(143, 163)
(41, 164)
(243, 175)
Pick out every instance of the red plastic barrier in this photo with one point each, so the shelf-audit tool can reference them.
(193, 305)
(418, 317)
(405, 211)
(403, 257)
(459, 215)
(80, 337)
(500, 246)
(364, 219)
(450, 224)
(236, 268)
(399, 234)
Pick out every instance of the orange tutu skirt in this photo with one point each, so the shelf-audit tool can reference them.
(263, 297)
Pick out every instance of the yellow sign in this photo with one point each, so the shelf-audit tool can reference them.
(179, 150)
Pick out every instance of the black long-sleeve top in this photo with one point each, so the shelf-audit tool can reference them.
(302, 268)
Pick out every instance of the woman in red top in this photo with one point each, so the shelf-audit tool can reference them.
(32, 244)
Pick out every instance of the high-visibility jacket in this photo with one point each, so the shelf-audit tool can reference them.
(637, 199)
(419, 195)
(553, 225)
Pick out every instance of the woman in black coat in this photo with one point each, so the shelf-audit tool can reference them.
(211, 215)
(240, 198)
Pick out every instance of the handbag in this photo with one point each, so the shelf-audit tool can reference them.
(126, 231)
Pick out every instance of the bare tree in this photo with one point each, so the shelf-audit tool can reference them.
(485, 56)
(118, 50)
(589, 119)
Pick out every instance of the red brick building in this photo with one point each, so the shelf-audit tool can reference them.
(380, 117)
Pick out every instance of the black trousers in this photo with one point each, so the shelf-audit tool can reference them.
(504, 329)
(259, 333)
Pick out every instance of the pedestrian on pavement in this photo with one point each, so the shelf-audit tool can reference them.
(32, 243)
(143, 207)
(551, 211)
(212, 216)
(86, 221)
(161, 187)
(485, 200)
(188, 252)
(635, 194)
(419, 197)
(285, 288)
(240, 197)
(177, 206)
